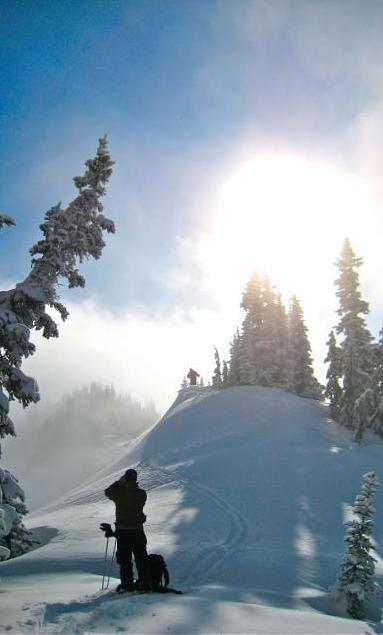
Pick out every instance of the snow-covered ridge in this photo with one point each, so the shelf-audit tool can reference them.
(191, 392)
(247, 491)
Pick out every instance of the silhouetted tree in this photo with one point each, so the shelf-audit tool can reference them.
(356, 346)
(235, 368)
(217, 377)
(333, 389)
(225, 374)
(301, 378)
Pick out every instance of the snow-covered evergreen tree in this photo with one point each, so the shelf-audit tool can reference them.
(301, 378)
(272, 348)
(378, 372)
(19, 539)
(377, 386)
(282, 342)
(363, 414)
(70, 235)
(355, 582)
(357, 356)
(264, 334)
(333, 389)
(252, 303)
(8, 519)
(225, 374)
(235, 366)
(266, 362)
(217, 376)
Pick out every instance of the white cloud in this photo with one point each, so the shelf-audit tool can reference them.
(141, 352)
(330, 38)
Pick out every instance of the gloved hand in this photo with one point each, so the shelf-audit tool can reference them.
(106, 527)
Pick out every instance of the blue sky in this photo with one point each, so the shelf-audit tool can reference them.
(185, 90)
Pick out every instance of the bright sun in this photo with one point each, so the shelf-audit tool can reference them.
(285, 215)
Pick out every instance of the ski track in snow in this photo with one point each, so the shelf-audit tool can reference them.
(211, 557)
(208, 559)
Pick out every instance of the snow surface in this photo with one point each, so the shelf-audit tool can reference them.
(247, 488)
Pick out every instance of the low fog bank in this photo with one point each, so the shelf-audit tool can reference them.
(58, 446)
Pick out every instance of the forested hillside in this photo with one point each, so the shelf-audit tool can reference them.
(61, 444)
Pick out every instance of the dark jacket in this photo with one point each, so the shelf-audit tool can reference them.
(129, 500)
(192, 375)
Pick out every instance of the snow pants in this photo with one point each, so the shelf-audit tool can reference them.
(132, 541)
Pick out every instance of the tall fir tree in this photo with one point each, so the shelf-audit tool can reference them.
(265, 363)
(301, 378)
(378, 371)
(239, 372)
(252, 303)
(377, 386)
(225, 374)
(282, 342)
(355, 582)
(264, 334)
(217, 376)
(70, 235)
(272, 348)
(357, 358)
(235, 360)
(333, 389)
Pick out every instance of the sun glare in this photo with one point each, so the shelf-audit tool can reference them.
(286, 216)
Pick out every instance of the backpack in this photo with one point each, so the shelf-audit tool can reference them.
(159, 574)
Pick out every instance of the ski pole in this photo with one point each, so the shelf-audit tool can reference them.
(111, 563)
(105, 563)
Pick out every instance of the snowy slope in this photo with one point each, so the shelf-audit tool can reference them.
(247, 491)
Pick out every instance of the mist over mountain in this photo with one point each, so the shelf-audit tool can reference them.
(59, 445)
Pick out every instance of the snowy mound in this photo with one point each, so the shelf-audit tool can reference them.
(247, 487)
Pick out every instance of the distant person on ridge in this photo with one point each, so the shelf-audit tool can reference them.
(130, 499)
(192, 376)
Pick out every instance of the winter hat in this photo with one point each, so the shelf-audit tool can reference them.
(131, 475)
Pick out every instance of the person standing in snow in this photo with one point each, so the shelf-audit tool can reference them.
(129, 500)
(192, 376)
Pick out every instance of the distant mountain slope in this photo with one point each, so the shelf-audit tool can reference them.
(60, 445)
(247, 487)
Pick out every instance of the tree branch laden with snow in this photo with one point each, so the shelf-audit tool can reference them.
(70, 235)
